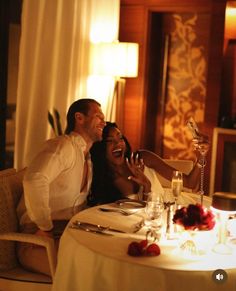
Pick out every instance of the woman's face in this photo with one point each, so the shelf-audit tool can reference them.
(115, 147)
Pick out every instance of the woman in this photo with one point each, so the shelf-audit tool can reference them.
(118, 173)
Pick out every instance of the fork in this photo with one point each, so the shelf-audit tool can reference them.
(121, 211)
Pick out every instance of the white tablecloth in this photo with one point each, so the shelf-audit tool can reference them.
(94, 262)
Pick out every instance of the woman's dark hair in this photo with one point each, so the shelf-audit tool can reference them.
(102, 189)
(81, 105)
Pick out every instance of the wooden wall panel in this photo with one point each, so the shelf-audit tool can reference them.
(133, 28)
(215, 58)
(134, 23)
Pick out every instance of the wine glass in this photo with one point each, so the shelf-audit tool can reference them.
(201, 146)
(154, 209)
(176, 185)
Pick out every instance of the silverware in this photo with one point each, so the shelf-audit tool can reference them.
(96, 226)
(131, 203)
(87, 229)
(99, 229)
(121, 211)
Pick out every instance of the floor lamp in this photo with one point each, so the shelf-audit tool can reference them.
(230, 27)
(223, 205)
(119, 60)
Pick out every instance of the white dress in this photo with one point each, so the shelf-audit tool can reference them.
(156, 186)
(155, 183)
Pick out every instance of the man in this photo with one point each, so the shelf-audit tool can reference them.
(58, 180)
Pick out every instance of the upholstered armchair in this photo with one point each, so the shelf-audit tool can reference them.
(12, 275)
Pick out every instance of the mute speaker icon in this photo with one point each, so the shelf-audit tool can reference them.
(219, 276)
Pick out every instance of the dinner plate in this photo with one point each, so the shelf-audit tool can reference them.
(130, 203)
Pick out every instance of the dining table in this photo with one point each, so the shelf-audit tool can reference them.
(97, 259)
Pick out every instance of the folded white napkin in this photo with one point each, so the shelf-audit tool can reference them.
(112, 219)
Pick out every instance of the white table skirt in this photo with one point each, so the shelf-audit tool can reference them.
(93, 262)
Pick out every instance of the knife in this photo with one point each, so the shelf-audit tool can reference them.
(74, 226)
(96, 227)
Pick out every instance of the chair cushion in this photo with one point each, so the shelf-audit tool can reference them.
(21, 274)
(10, 191)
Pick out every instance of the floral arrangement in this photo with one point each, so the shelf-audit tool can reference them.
(194, 217)
(143, 248)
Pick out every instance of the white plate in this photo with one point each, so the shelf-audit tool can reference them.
(130, 204)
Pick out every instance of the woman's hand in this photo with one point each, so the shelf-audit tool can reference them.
(136, 167)
(201, 145)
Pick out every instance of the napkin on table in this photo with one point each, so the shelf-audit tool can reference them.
(112, 219)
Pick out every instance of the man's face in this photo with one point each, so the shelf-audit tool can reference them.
(94, 123)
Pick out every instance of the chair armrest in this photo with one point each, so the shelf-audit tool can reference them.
(43, 241)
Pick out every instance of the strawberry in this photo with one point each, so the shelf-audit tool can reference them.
(143, 243)
(135, 249)
(153, 250)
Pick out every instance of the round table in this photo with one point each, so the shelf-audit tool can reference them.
(93, 262)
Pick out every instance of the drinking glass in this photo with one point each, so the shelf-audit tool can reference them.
(201, 146)
(176, 185)
(154, 209)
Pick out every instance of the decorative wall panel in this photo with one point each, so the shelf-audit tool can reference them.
(186, 85)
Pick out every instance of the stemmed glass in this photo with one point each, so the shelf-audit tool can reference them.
(201, 146)
(176, 185)
(154, 209)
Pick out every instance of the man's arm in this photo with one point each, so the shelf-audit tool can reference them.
(43, 170)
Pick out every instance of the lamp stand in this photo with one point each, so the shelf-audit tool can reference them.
(118, 102)
(221, 247)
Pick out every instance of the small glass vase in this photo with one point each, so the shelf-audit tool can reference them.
(197, 242)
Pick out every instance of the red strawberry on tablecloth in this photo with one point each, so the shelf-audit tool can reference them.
(153, 250)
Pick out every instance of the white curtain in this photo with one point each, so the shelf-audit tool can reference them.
(54, 63)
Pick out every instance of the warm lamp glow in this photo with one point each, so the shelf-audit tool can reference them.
(223, 204)
(101, 88)
(230, 20)
(118, 59)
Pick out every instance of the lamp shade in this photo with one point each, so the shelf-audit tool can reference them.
(119, 59)
(230, 20)
(224, 201)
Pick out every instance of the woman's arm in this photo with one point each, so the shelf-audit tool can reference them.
(154, 161)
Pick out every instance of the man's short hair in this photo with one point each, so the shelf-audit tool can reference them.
(82, 106)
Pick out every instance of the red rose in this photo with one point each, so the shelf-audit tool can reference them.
(194, 217)
(208, 221)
